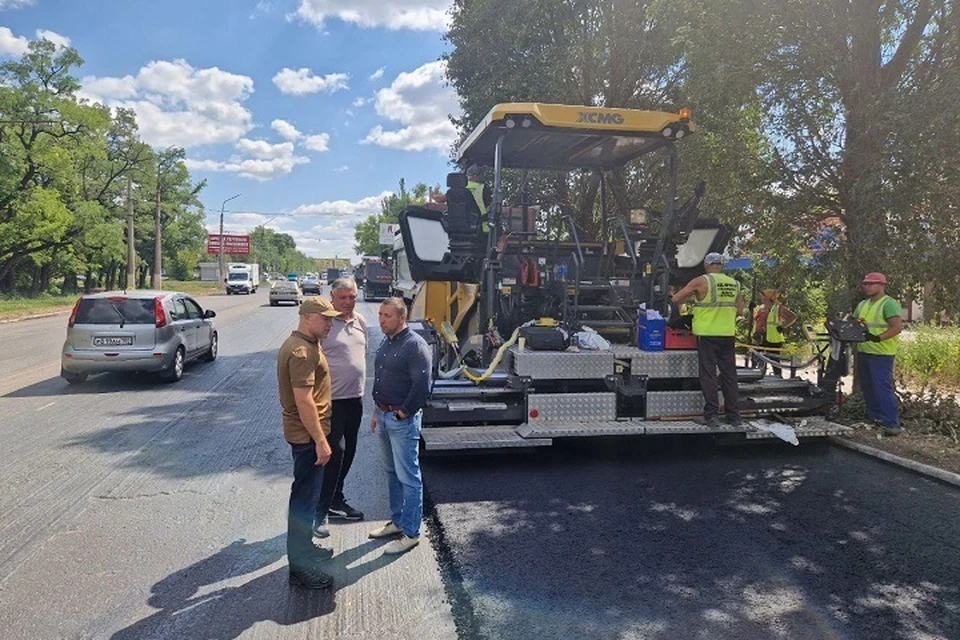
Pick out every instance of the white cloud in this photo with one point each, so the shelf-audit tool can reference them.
(303, 81)
(319, 142)
(419, 15)
(264, 150)
(342, 167)
(343, 208)
(257, 160)
(10, 44)
(359, 102)
(15, 4)
(285, 130)
(177, 104)
(376, 75)
(16, 46)
(422, 101)
(54, 37)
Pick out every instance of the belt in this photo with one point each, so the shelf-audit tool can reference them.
(387, 407)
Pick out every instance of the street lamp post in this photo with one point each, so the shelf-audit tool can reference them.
(221, 269)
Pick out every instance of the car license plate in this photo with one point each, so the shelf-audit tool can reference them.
(113, 341)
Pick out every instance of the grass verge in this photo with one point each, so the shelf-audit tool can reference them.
(14, 307)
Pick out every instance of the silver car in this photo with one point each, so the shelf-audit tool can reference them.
(285, 291)
(136, 331)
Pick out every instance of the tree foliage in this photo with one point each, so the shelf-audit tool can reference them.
(820, 124)
(367, 231)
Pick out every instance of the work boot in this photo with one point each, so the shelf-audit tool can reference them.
(892, 431)
(310, 578)
(734, 421)
(713, 422)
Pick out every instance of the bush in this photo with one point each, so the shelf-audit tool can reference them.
(930, 357)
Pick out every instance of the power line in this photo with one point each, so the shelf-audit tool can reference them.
(291, 215)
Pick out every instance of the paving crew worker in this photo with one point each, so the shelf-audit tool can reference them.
(345, 349)
(770, 320)
(882, 316)
(480, 191)
(717, 303)
(400, 387)
(303, 380)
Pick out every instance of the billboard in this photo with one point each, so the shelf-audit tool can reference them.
(233, 245)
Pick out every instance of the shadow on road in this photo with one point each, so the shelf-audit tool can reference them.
(629, 539)
(191, 608)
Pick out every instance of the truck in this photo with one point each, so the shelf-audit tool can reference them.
(541, 330)
(242, 278)
(375, 277)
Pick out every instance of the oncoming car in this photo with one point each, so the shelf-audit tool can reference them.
(136, 331)
(311, 286)
(285, 291)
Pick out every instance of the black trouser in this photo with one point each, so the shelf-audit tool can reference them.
(308, 477)
(345, 417)
(717, 352)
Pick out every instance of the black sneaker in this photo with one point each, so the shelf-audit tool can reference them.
(344, 511)
(310, 579)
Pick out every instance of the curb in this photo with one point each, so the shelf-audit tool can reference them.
(36, 316)
(918, 467)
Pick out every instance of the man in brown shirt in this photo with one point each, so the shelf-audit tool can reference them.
(303, 380)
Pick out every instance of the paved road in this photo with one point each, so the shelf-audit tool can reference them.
(651, 540)
(137, 509)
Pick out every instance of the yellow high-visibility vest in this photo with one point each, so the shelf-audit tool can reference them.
(871, 314)
(716, 314)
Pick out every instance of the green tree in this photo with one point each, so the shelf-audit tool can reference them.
(367, 231)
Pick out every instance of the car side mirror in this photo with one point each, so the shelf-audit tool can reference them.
(209, 313)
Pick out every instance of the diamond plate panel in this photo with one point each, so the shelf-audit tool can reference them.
(463, 438)
(571, 407)
(659, 364)
(674, 403)
(562, 365)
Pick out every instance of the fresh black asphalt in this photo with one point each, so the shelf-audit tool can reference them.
(681, 539)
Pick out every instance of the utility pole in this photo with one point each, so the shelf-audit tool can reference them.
(131, 254)
(221, 267)
(156, 282)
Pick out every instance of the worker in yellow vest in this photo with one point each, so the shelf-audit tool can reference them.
(882, 316)
(481, 193)
(770, 320)
(718, 302)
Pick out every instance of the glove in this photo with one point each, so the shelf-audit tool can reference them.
(781, 328)
(872, 337)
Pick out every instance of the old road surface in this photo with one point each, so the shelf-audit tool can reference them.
(137, 509)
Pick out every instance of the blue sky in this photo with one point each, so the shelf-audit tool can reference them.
(312, 110)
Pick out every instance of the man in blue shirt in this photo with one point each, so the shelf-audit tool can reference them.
(400, 387)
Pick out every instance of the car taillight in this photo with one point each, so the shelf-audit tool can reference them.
(73, 314)
(160, 318)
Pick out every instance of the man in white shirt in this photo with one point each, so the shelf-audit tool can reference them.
(345, 349)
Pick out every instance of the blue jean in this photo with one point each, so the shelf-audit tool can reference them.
(304, 494)
(876, 383)
(400, 453)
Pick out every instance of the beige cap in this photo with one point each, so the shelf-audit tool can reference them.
(316, 304)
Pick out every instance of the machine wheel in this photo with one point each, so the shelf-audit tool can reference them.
(273, 303)
(176, 368)
(73, 378)
(211, 353)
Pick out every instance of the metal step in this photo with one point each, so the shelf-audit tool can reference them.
(477, 437)
(814, 427)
